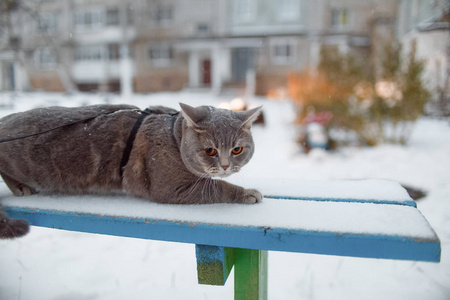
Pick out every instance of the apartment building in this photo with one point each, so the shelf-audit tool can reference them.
(175, 44)
(425, 25)
(64, 45)
(287, 35)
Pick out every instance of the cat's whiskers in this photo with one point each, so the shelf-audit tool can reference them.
(208, 187)
(235, 169)
(195, 185)
(205, 187)
(214, 171)
(211, 188)
(216, 190)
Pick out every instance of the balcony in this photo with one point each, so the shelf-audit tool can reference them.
(97, 71)
(103, 35)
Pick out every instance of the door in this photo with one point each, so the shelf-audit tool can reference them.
(242, 60)
(206, 71)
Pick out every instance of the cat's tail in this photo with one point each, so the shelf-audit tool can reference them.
(12, 228)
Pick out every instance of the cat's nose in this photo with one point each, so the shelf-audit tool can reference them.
(225, 168)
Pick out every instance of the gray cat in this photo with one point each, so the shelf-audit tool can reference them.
(171, 159)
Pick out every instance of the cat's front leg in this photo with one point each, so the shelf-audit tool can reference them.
(230, 193)
(200, 191)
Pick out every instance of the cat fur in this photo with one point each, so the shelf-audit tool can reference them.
(79, 151)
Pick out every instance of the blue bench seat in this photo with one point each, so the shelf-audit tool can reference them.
(373, 219)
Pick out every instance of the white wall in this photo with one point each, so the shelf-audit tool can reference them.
(431, 46)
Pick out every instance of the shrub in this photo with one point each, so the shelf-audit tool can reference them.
(378, 108)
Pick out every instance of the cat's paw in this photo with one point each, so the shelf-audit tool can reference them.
(10, 229)
(252, 196)
(23, 190)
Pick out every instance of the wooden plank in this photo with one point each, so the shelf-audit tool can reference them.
(250, 274)
(316, 216)
(214, 264)
(373, 245)
(337, 227)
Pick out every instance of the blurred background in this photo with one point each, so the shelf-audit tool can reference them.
(362, 70)
(350, 89)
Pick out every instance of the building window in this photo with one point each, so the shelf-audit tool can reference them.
(45, 58)
(202, 29)
(283, 52)
(161, 55)
(162, 14)
(244, 10)
(89, 53)
(97, 53)
(112, 17)
(47, 23)
(114, 51)
(340, 18)
(88, 19)
(288, 10)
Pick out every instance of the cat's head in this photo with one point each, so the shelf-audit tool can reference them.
(216, 142)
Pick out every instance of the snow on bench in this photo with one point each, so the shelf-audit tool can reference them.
(367, 218)
(364, 191)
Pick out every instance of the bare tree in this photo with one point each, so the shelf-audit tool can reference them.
(14, 14)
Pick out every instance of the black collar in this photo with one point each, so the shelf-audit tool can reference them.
(129, 146)
(131, 138)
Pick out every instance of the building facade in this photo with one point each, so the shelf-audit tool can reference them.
(425, 25)
(175, 44)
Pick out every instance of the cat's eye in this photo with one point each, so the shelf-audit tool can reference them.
(211, 151)
(237, 150)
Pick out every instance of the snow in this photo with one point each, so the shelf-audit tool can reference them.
(365, 190)
(53, 264)
(314, 216)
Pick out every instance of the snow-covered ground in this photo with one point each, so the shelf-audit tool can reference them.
(57, 265)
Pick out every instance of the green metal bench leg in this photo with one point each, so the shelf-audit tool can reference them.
(214, 264)
(250, 274)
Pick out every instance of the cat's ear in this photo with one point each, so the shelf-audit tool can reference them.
(249, 116)
(193, 115)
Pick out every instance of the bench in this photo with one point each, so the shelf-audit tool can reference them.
(367, 218)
